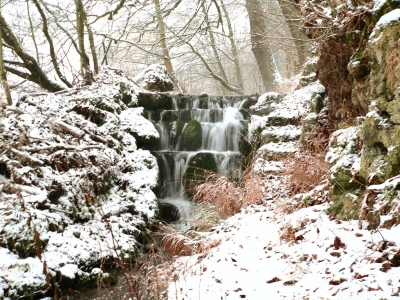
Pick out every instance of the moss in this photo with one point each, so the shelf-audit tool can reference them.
(346, 207)
(125, 95)
(199, 167)
(169, 116)
(343, 183)
(384, 9)
(282, 121)
(192, 136)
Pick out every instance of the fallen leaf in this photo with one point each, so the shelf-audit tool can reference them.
(275, 279)
(386, 266)
(335, 253)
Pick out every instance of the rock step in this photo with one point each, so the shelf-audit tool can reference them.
(276, 134)
(277, 151)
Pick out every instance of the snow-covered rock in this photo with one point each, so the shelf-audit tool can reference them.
(155, 78)
(74, 188)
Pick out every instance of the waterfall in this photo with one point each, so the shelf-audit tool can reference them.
(222, 126)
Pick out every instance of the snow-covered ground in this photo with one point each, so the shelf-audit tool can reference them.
(285, 249)
(267, 254)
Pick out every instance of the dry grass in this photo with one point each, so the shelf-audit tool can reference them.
(252, 187)
(178, 244)
(305, 171)
(221, 193)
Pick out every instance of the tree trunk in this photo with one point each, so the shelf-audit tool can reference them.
(4, 81)
(234, 51)
(92, 47)
(36, 74)
(221, 71)
(293, 17)
(259, 44)
(163, 44)
(80, 26)
(51, 45)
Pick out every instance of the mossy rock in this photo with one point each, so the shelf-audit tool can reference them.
(381, 149)
(246, 115)
(346, 207)
(282, 121)
(384, 8)
(199, 167)
(343, 183)
(114, 107)
(125, 95)
(169, 116)
(245, 147)
(192, 136)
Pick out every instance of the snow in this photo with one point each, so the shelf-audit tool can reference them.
(378, 5)
(305, 264)
(391, 17)
(132, 120)
(77, 185)
(152, 74)
(343, 153)
(291, 107)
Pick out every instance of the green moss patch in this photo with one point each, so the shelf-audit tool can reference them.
(192, 136)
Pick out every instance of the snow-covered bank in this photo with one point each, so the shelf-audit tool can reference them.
(75, 189)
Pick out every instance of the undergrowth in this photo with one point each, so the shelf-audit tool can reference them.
(305, 171)
(228, 197)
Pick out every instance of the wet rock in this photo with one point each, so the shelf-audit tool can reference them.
(199, 167)
(192, 136)
(169, 212)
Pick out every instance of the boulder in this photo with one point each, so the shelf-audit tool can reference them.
(192, 136)
(169, 212)
(155, 78)
(199, 167)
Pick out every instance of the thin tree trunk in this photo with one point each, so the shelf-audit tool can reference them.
(32, 31)
(80, 25)
(51, 45)
(92, 47)
(292, 15)
(225, 84)
(234, 51)
(4, 81)
(259, 44)
(163, 43)
(213, 45)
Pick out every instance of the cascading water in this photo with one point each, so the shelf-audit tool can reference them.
(222, 126)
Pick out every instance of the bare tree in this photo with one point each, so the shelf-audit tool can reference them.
(29, 68)
(260, 44)
(4, 81)
(293, 19)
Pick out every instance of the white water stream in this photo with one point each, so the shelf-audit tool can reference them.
(222, 125)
